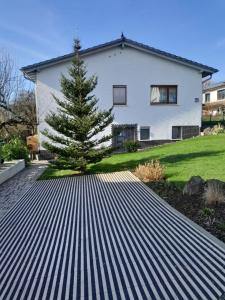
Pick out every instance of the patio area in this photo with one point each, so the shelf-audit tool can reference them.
(105, 236)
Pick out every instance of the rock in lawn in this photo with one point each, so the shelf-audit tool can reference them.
(194, 186)
(214, 192)
(220, 183)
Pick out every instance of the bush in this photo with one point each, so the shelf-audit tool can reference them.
(217, 129)
(131, 146)
(151, 171)
(214, 193)
(15, 149)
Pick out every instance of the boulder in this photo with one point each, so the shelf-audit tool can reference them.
(214, 182)
(214, 192)
(194, 186)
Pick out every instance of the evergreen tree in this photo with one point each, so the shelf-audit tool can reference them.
(78, 121)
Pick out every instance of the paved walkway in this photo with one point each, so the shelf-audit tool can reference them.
(105, 237)
(13, 189)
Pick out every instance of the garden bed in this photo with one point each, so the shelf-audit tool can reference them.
(11, 168)
(192, 207)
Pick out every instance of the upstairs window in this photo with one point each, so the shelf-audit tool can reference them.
(221, 94)
(119, 94)
(207, 97)
(163, 94)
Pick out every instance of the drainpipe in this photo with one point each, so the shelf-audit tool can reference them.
(204, 81)
(207, 79)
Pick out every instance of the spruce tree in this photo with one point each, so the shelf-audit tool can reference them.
(78, 121)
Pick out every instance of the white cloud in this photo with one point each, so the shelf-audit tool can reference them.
(26, 33)
(31, 52)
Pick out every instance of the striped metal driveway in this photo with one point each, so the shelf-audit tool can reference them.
(104, 237)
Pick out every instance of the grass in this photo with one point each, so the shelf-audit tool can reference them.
(203, 156)
(51, 172)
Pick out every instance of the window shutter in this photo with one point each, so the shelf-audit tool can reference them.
(119, 95)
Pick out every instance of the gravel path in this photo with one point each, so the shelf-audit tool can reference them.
(13, 189)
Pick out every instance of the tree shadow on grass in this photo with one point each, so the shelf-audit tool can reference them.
(175, 158)
(105, 167)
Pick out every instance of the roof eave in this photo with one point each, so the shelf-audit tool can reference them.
(30, 70)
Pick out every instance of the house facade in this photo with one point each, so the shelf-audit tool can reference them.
(156, 96)
(214, 93)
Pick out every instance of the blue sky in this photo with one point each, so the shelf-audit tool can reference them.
(35, 30)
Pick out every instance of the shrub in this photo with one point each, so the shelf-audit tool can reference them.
(207, 131)
(217, 129)
(221, 226)
(131, 146)
(15, 149)
(213, 193)
(151, 171)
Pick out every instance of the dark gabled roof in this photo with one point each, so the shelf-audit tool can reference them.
(214, 86)
(206, 70)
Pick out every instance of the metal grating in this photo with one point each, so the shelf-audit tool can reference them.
(104, 237)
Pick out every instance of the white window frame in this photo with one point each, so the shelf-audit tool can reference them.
(145, 127)
(206, 94)
(218, 94)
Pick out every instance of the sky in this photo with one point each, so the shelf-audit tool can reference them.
(36, 30)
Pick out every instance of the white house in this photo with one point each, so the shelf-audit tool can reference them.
(214, 93)
(157, 96)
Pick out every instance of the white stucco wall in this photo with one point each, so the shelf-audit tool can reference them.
(213, 95)
(137, 70)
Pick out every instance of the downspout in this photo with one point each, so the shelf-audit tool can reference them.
(204, 81)
(207, 79)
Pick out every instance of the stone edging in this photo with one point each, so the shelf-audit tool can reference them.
(14, 167)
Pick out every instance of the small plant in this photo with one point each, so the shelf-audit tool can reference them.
(221, 226)
(214, 193)
(208, 214)
(15, 149)
(151, 171)
(131, 146)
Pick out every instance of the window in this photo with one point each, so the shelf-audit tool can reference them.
(184, 132)
(163, 94)
(221, 94)
(144, 133)
(119, 95)
(207, 97)
(176, 133)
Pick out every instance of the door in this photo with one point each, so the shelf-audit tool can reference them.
(123, 133)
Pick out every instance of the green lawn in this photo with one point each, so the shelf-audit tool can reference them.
(204, 156)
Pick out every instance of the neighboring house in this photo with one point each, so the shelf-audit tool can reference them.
(157, 96)
(214, 92)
